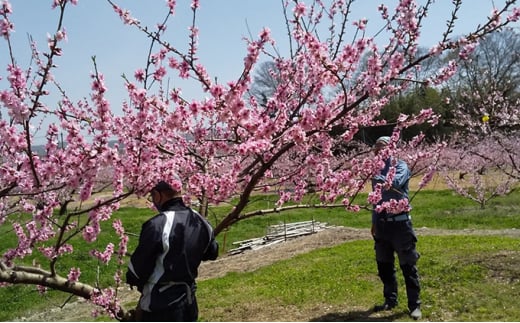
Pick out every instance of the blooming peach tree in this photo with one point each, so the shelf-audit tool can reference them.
(484, 160)
(333, 81)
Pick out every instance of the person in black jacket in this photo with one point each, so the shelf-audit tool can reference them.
(172, 244)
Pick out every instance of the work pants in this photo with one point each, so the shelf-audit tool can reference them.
(397, 238)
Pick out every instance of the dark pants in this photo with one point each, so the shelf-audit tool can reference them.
(397, 237)
(183, 311)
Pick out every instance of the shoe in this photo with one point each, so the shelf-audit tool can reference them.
(384, 307)
(416, 313)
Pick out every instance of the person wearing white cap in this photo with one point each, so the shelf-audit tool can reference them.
(172, 244)
(394, 234)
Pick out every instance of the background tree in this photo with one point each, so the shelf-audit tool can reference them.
(265, 82)
(493, 66)
(486, 96)
(223, 145)
(410, 102)
(471, 171)
(492, 70)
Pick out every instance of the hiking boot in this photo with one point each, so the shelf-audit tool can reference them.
(416, 313)
(384, 307)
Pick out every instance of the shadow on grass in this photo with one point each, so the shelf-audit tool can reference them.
(359, 316)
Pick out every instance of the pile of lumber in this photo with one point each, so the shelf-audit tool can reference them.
(279, 233)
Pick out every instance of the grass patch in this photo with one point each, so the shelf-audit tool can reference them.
(341, 282)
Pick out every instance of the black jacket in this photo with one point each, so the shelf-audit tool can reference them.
(171, 247)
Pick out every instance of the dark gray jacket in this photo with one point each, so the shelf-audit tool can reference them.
(171, 247)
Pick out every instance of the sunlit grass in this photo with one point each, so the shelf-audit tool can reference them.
(458, 284)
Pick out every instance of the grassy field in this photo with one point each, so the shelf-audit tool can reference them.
(465, 278)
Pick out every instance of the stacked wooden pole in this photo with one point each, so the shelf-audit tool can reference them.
(278, 233)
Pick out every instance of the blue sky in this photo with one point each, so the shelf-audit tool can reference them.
(94, 29)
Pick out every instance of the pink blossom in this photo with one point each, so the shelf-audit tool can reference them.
(90, 233)
(161, 27)
(6, 28)
(139, 75)
(195, 4)
(467, 51)
(6, 8)
(74, 274)
(354, 208)
(118, 226)
(284, 197)
(159, 73)
(125, 15)
(61, 34)
(86, 191)
(171, 5)
(495, 19)
(118, 277)
(122, 249)
(427, 177)
(184, 70)
(299, 10)
(375, 196)
(393, 206)
(104, 256)
(515, 15)
(384, 11)
(106, 299)
(361, 23)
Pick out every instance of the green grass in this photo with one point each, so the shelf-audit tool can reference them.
(457, 279)
(342, 277)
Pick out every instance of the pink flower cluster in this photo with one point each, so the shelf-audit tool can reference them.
(53, 253)
(107, 299)
(104, 256)
(6, 27)
(393, 206)
(123, 242)
(74, 274)
(125, 15)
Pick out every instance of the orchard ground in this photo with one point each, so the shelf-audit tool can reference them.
(253, 260)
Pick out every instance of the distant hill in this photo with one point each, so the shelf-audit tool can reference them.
(41, 151)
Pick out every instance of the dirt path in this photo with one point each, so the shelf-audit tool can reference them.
(252, 260)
